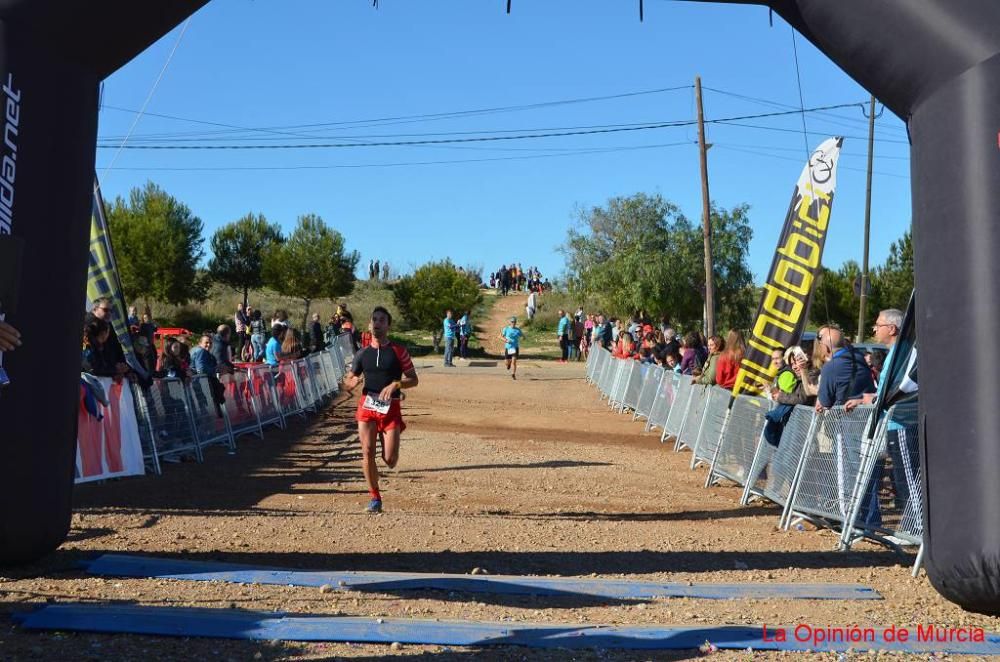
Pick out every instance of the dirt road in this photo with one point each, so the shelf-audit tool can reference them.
(528, 477)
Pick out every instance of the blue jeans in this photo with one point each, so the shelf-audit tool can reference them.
(463, 346)
(449, 347)
(257, 340)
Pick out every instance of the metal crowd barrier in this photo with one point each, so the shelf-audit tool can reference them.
(290, 398)
(713, 424)
(772, 474)
(682, 400)
(887, 497)
(262, 384)
(829, 466)
(739, 442)
(824, 468)
(147, 437)
(618, 384)
(632, 384)
(241, 405)
(165, 414)
(312, 398)
(345, 343)
(647, 394)
(178, 418)
(663, 400)
(606, 379)
(209, 418)
(691, 424)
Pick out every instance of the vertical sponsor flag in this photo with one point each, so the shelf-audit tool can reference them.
(784, 307)
(103, 281)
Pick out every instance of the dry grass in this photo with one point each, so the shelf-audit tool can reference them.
(220, 306)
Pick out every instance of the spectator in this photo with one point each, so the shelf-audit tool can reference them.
(694, 355)
(222, 350)
(385, 271)
(280, 317)
(172, 362)
(145, 354)
(673, 361)
(291, 346)
(845, 375)
(147, 327)
(104, 310)
(332, 329)
(133, 318)
(449, 338)
(377, 270)
(316, 334)
(272, 350)
(562, 332)
(670, 342)
(241, 321)
(203, 361)
(876, 360)
(729, 362)
(801, 388)
(531, 306)
(95, 360)
(347, 326)
(709, 372)
(464, 333)
(371, 269)
(587, 338)
(257, 335)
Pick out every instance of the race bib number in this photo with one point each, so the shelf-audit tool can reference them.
(380, 406)
(511, 351)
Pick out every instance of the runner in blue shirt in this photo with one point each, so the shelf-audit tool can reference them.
(512, 339)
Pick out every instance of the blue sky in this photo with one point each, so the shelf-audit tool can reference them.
(279, 66)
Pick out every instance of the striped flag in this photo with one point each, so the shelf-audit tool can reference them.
(103, 280)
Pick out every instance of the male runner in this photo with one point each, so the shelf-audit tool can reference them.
(512, 339)
(378, 408)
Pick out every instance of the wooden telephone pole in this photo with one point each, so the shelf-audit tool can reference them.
(706, 217)
(868, 223)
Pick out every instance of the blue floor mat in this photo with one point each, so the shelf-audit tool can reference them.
(234, 624)
(119, 565)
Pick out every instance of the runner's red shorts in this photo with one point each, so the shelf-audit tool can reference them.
(387, 421)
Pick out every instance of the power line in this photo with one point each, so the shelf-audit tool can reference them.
(777, 104)
(490, 138)
(812, 133)
(401, 119)
(149, 96)
(799, 160)
(581, 152)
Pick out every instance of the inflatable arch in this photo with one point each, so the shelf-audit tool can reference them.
(935, 63)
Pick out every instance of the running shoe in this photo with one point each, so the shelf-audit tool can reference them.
(513, 376)
(374, 506)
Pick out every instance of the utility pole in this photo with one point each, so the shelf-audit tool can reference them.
(706, 218)
(868, 223)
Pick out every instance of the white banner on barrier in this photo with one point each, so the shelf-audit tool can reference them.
(109, 447)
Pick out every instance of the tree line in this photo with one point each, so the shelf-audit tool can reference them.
(641, 253)
(159, 248)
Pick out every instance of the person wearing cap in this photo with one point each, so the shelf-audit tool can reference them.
(512, 339)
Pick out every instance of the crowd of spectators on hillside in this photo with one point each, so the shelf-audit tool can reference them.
(513, 278)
